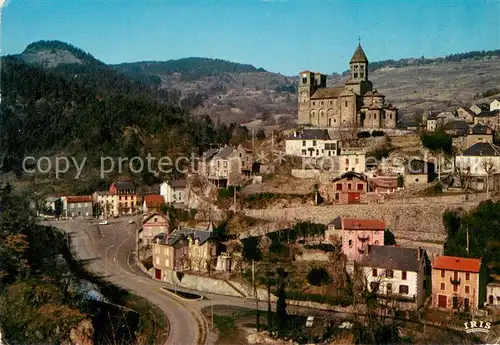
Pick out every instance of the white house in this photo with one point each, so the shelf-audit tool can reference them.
(481, 161)
(106, 202)
(395, 271)
(476, 109)
(351, 159)
(311, 142)
(493, 294)
(174, 191)
(495, 104)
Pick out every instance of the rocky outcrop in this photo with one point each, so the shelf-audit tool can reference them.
(82, 334)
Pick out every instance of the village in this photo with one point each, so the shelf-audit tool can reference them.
(341, 203)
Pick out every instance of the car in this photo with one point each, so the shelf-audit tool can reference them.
(104, 222)
(131, 221)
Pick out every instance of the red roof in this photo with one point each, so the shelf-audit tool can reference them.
(362, 224)
(83, 198)
(154, 200)
(455, 263)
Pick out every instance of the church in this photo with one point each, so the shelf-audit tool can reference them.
(356, 104)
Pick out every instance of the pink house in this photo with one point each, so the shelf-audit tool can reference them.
(355, 234)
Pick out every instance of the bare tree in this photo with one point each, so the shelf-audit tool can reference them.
(209, 266)
(489, 169)
(464, 176)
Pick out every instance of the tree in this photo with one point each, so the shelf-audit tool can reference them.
(318, 276)
(464, 177)
(281, 302)
(209, 266)
(489, 169)
(57, 208)
(251, 249)
(389, 238)
(437, 141)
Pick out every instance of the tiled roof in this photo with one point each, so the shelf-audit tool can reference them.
(358, 224)
(486, 113)
(351, 174)
(359, 55)
(201, 234)
(74, 199)
(482, 149)
(481, 129)
(392, 258)
(460, 126)
(154, 200)
(470, 112)
(152, 214)
(225, 152)
(455, 263)
(327, 92)
(124, 185)
(209, 153)
(311, 134)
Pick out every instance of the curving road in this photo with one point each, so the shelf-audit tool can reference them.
(109, 256)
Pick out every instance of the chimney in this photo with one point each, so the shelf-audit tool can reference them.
(419, 249)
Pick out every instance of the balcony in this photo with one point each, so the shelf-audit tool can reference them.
(455, 281)
(363, 238)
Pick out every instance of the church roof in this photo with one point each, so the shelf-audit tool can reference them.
(374, 93)
(327, 92)
(359, 55)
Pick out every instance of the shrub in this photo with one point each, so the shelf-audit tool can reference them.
(378, 133)
(318, 276)
(364, 134)
(343, 300)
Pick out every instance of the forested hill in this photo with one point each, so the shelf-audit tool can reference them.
(190, 68)
(42, 110)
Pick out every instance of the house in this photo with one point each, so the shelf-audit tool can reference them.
(386, 184)
(354, 234)
(77, 206)
(126, 201)
(430, 120)
(456, 283)
(480, 161)
(495, 105)
(348, 188)
(50, 203)
(152, 203)
(351, 159)
(184, 248)
(419, 173)
(466, 114)
(479, 134)
(493, 294)
(105, 202)
(174, 191)
(153, 224)
(226, 166)
(311, 142)
(456, 128)
(488, 117)
(444, 117)
(410, 126)
(395, 271)
(476, 108)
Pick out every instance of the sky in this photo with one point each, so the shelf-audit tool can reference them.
(283, 36)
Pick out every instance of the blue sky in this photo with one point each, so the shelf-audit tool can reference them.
(283, 36)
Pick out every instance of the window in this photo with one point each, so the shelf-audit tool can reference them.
(126, 197)
(360, 186)
(157, 260)
(356, 160)
(377, 243)
(467, 288)
(350, 243)
(304, 80)
(322, 102)
(403, 275)
(345, 104)
(348, 186)
(455, 287)
(347, 161)
(355, 75)
(356, 67)
(119, 198)
(403, 289)
(304, 152)
(225, 164)
(467, 276)
(361, 75)
(389, 273)
(156, 220)
(374, 272)
(374, 286)
(314, 103)
(339, 186)
(314, 142)
(389, 288)
(390, 116)
(443, 286)
(303, 143)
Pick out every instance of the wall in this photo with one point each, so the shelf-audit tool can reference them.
(313, 255)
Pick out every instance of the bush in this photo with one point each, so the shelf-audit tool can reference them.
(318, 276)
(364, 134)
(378, 133)
(343, 300)
(327, 247)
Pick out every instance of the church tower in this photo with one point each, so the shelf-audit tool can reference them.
(358, 81)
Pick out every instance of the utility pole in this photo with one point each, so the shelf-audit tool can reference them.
(467, 249)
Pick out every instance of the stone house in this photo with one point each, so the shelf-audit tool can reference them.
(419, 173)
(480, 161)
(354, 104)
(184, 249)
(354, 234)
(311, 142)
(495, 105)
(493, 294)
(456, 283)
(77, 206)
(152, 203)
(466, 114)
(226, 166)
(348, 188)
(488, 117)
(174, 191)
(153, 224)
(479, 134)
(126, 200)
(395, 272)
(352, 159)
